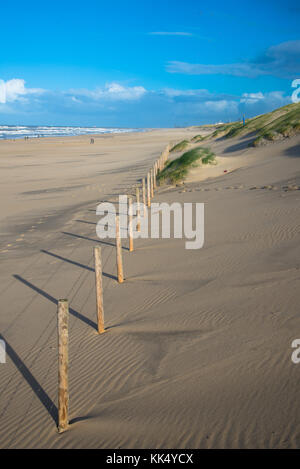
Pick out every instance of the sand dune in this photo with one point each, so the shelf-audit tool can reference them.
(198, 348)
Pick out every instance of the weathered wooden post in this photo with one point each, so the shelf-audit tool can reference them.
(154, 176)
(99, 289)
(137, 193)
(63, 365)
(151, 183)
(144, 196)
(119, 251)
(148, 190)
(130, 224)
(167, 152)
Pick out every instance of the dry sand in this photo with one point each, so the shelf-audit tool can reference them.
(198, 347)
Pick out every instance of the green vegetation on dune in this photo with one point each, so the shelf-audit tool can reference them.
(180, 146)
(177, 169)
(280, 123)
(197, 138)
(221, 130)
(283, 125)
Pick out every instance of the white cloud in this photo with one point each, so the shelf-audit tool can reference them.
(238, 69)
(113, 91)
(14, 89)
(117, 91)
(172, 93)
(252, 98)
(117, 104)
(170, 33)
(275, 98)
(282, 60)
(76, 100)
(221, 105)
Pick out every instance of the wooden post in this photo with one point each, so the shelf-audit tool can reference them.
(99, 289)
(119, 251)
(148, 191)
(167, 152)
(130, 224)
(63, 364)
(154, 176)
(144, 196)
(137, 192)
(151, 183)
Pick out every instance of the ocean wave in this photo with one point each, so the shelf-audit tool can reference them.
(21, 131)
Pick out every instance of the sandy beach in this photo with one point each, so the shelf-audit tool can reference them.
(197, 352)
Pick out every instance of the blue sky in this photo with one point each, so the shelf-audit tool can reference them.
(146, 63)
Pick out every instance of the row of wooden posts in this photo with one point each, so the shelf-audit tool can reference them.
(149, 184)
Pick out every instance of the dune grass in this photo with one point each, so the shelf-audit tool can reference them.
(285, 124)
(177, 169)
(180, 146)
(221, 130)
(197, 138)
(280, 123)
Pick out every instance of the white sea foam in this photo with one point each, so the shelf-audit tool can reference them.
(21, 131)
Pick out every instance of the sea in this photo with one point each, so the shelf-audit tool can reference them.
(35, 131)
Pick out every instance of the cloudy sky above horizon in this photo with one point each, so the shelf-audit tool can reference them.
(146, 63)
